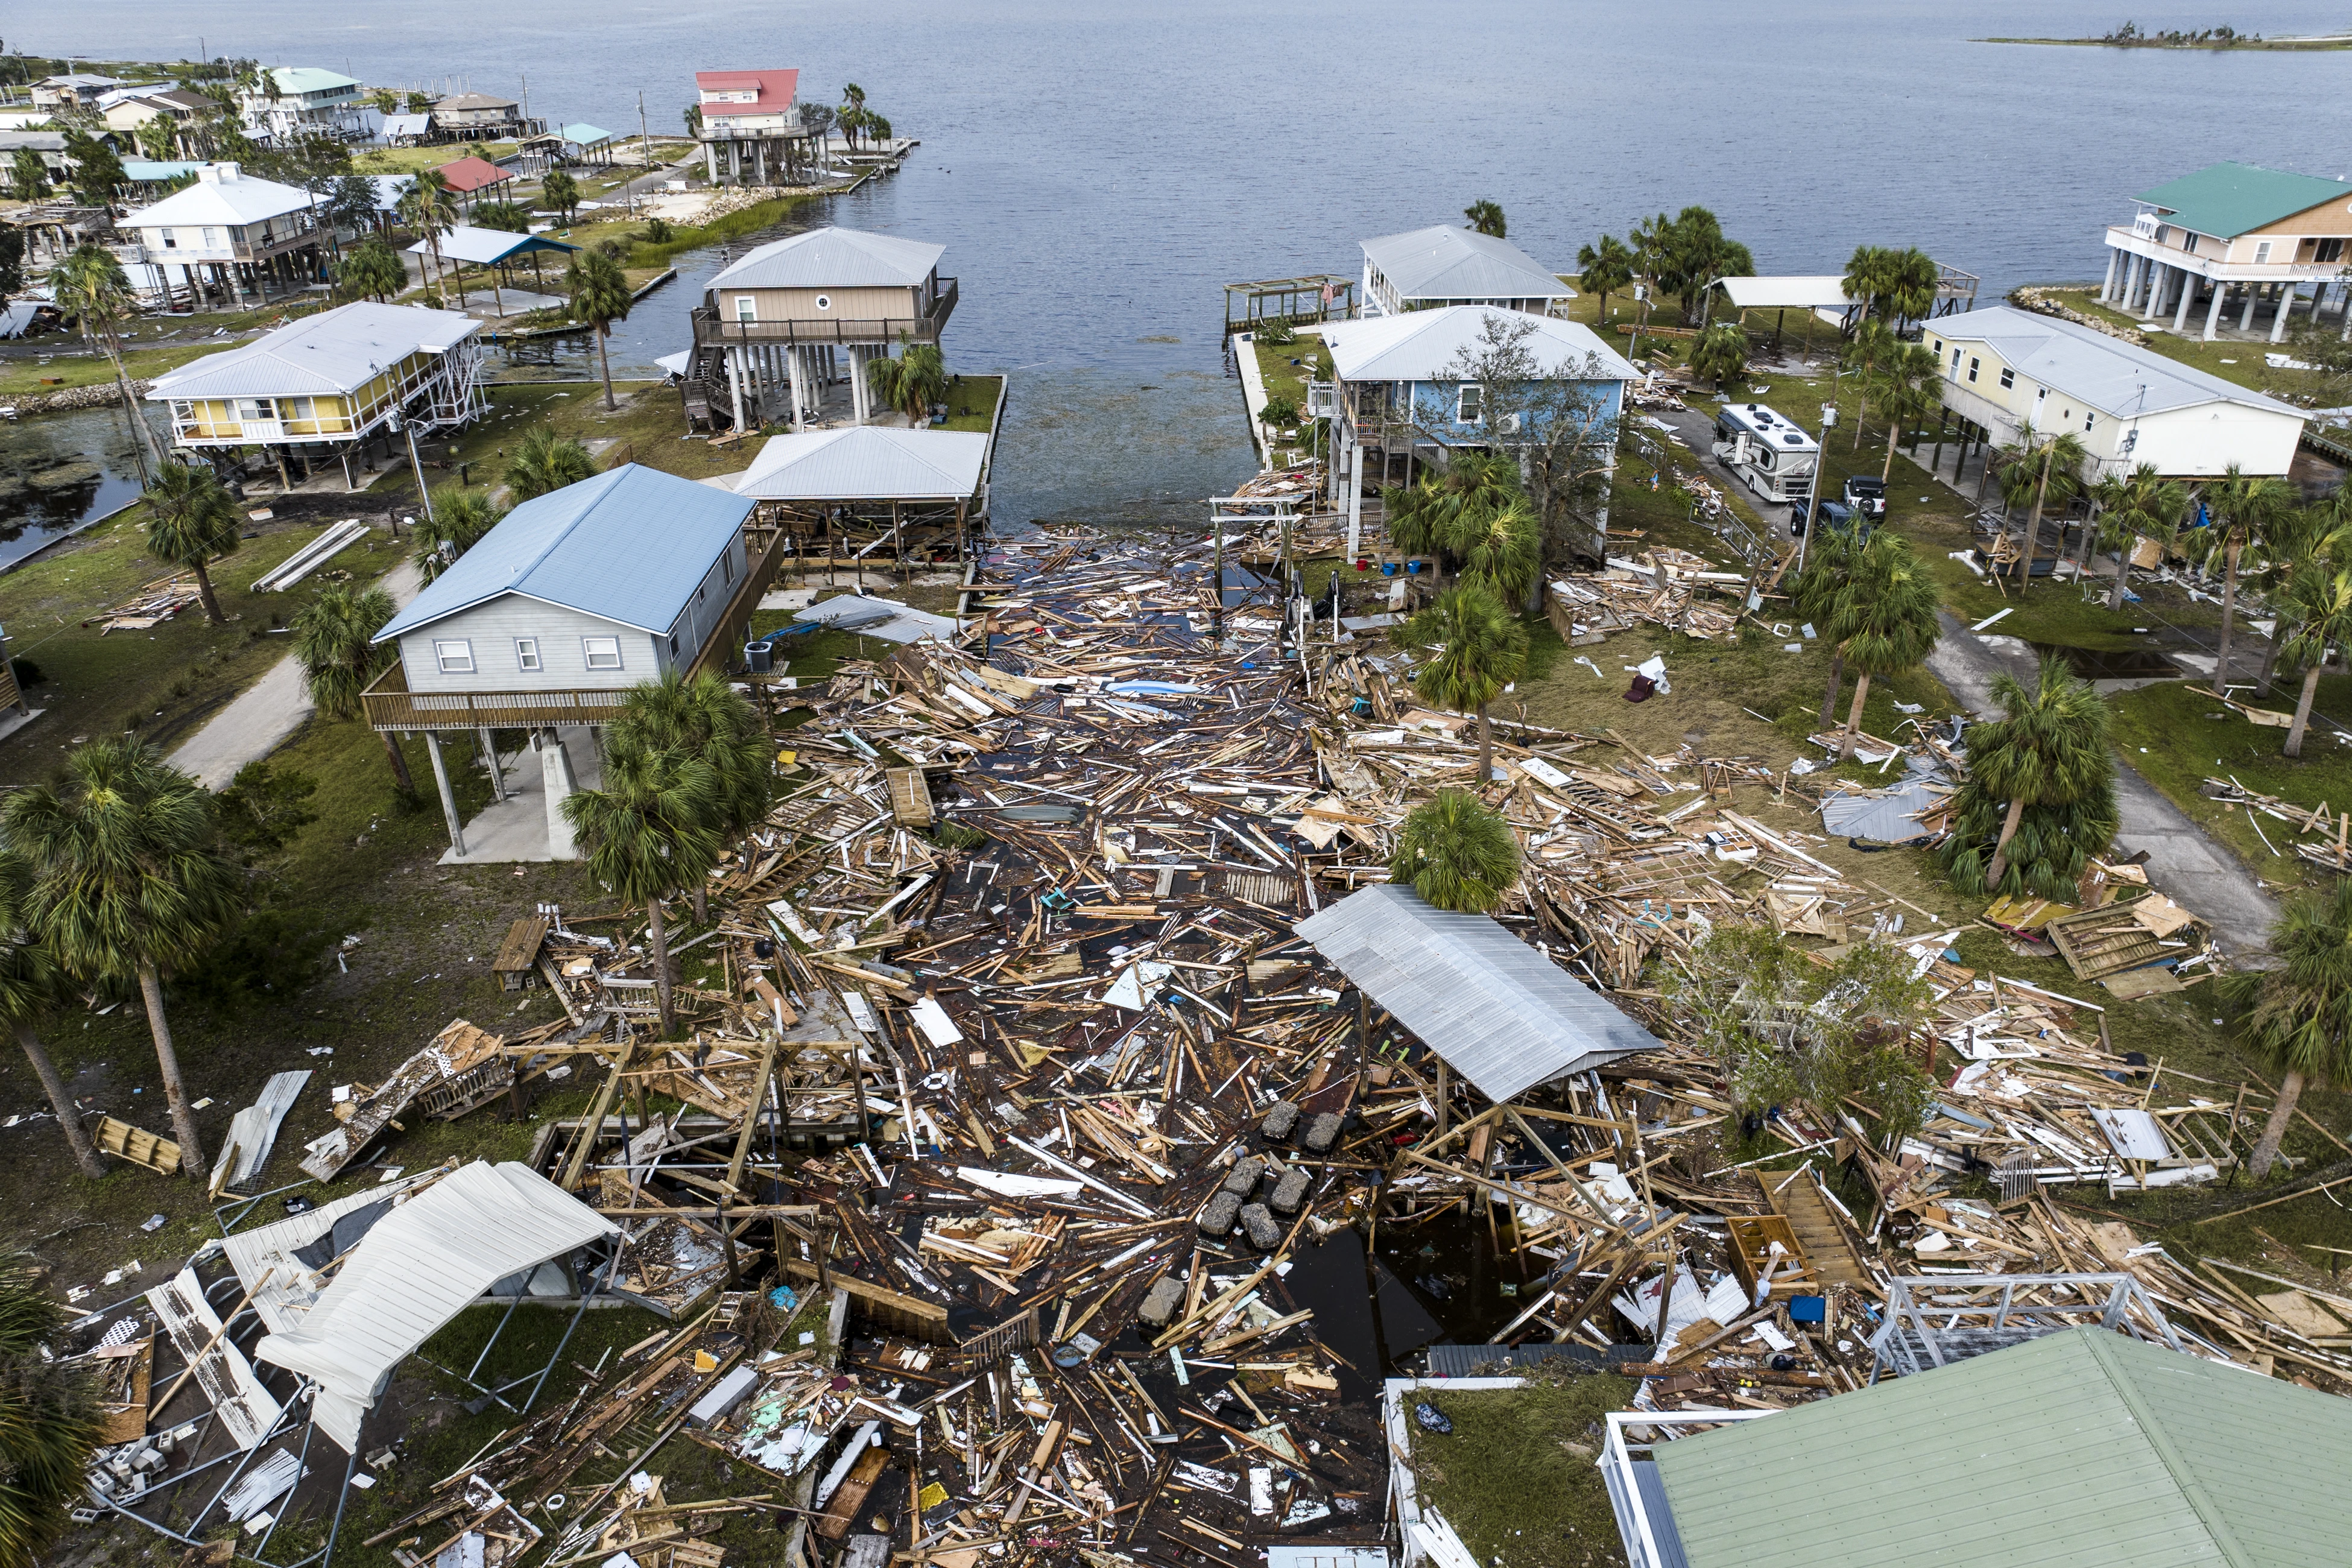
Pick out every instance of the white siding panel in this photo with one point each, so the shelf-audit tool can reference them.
(492, 628)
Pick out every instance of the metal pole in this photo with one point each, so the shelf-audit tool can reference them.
(417, 464)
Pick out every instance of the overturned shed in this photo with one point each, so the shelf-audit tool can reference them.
(1496, 1011)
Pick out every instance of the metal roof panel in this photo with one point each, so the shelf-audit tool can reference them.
(332, 352)
(866, 462)
(1443, 262)
(833, 257)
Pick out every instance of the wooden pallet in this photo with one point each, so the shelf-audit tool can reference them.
(519, 953)
(125, 1142)
(910, 797)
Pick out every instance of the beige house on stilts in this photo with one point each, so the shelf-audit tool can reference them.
(2234, 237)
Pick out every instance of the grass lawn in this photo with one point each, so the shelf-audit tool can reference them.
(408, 160)
(971, 402)
(1287, 368)
(1516, 1477)
(2240, 360)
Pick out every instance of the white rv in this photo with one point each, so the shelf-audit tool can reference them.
(1770, 454)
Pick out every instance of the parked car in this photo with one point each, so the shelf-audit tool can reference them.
(1831, 515)
(1866, 496)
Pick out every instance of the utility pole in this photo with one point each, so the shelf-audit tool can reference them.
(645, 142)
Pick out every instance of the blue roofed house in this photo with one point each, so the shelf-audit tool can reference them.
(1409, 389)
(545, 624)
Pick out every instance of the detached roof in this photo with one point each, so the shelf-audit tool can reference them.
(2087, 1449)
(230, 196)
(775, 89)
(629, 545)
(332, 352)
(487, 247)
(474, 101)
(834, 258)
(2229, 199)
(407, 124)
(417, 1268)
(468, 175)
(587, 135)
(1825, 293)
(866, 462)
(1449, 263)
(1422, 345)
(2105, 372)
(1501, 1014)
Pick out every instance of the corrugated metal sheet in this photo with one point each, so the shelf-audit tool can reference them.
(2091, 367)
(422, 1265)
(2226, 200)
(241, 199)
(833, 259)
(1822, 293)
(1423, 345)
(866, 462)
(253, 1131)
(283, 1287)
(2086, 1449)
(630, 545)
(1447, 263)
(1501, 1014)
(488, 246)
(329, 353)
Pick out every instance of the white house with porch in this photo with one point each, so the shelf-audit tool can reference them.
(1440, 266)
(237, 229)
(2261, 241)
(544, 624)
(295, 101)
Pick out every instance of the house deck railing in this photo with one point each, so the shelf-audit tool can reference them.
(390, 705)
(711, 329)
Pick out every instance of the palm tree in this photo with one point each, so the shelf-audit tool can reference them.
(1720, 353)
(28, 177)
(91, 285)
(2318, 601)
(1652, 247)
(911, 382)
(649, 832)
(2142, 503)
(48, 1417)
(1887, 621)
(2298, 1016)
(1485, 218)
(128, 882)
(705, 718)
(2295, 538)
(2042, 468)
(373, 270)
(1874, 343)
(545, 461)
(1867, 274)
(1814, 593)
(1908, 388)
(190, 520)
(1448, 506)
(456, 521)
(1607, 268)
(561, 191)
(334, 642)
(1480, 650)
(1455, 853)
(2244, 507)
(600, 296)
(29, 987)
(1503, 555)
(431, 206)
(2044, 773)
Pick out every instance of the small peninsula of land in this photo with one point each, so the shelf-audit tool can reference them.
(2130, 37)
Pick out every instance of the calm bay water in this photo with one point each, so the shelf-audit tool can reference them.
(1097, 173)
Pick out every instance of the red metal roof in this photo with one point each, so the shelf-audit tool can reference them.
(775, 89)
(468, 175)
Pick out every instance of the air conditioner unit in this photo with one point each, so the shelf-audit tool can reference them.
(1508, 424)
(759, 658)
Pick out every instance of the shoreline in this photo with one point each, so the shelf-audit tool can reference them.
(2218, 46)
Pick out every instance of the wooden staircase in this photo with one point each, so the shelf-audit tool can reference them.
(1828, 1254)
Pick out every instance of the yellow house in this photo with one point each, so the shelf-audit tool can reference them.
(333, 381)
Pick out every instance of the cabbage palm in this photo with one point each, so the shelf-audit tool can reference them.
(456, 524)
(191, 519)
(371, 270)
(2044, 773)
(1448, 506)
(600, 296)
(1720, 353)
(2142, 503)
(2242, 508)
(705, 718)
(2318, 601)
(1885, 621)
(334, 642)
(1486, 218)
(1457, 853)
(1873, 345)
(90, 285)
(648, 833)
(432, 207)
(1501, 552)
(128, 882)
(1607, 269)
(1814, 594)
(1907, 386)
(2038, 469)
(912, 381)
(2298, 1016)
(1480, 649)
(545, 461)
(49, 1418)
(29, 986)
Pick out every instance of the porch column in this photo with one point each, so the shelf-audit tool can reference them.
(2159, 277)
(2246, 317)
(2288, 296)
(800, 400)
(1355, 508)
(860, 405)
(2213, 310)
(735, 382)
(448, 801)
(2107, 287)
(555, 768)
(2188, 297)
(490, 761)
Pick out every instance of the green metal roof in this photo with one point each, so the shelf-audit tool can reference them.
(2085, 1449)
(2230, 199)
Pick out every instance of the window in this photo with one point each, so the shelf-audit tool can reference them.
(527, 653)
(1470, 405)
(2008, 377)
(213, 239)
(2188, 243)
(1974, 365)
(673, 645)
(702, 592)
(2261, 252)
(747, 309)
(825, 302)
(170, 242)
(2089, 420)
(1936, 347)
(2039, 394)
(2329, 251)
(601, 653)
(455, 657)
(257, 408)
(1955, 362)
(727, 567)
